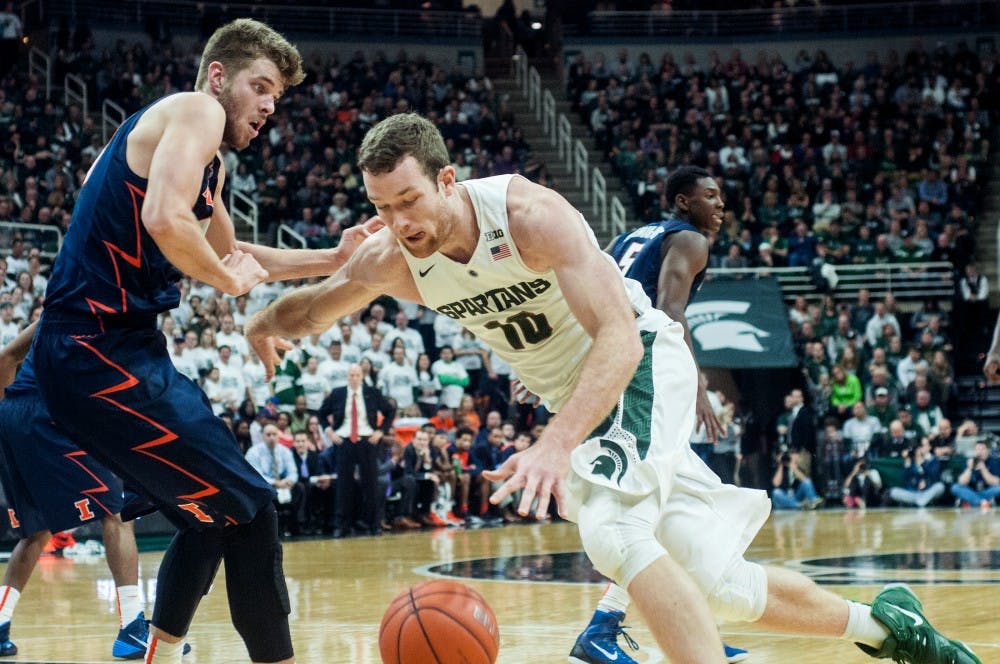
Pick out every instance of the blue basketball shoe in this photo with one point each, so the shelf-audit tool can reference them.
(133, 639)
(734, 655)
(7, 647)
(598, 643)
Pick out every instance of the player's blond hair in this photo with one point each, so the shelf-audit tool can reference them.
(392, 139)
(239, 43)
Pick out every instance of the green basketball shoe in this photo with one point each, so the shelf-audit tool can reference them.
(912, 640)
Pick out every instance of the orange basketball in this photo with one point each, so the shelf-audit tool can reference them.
(439, 622)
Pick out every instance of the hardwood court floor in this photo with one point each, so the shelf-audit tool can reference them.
(339, 588)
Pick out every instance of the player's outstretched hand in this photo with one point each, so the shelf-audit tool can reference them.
(991, 369)
(540, 471)
(265, 345)
(352, 238)
(245, 271)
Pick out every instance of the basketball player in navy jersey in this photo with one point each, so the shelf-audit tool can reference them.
(669, 258)
(76, 490)
(150, 211)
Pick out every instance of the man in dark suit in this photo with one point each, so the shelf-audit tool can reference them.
(317, 483)
(801, 424)
(352, 412)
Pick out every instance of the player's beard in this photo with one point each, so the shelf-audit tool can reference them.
(230, 134)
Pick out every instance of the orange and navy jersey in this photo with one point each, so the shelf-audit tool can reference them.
(109, 267)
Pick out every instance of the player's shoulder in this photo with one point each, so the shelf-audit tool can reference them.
(376, 258)
(194, 110)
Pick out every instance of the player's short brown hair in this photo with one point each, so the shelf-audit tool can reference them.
(392, 139)
(239, 43)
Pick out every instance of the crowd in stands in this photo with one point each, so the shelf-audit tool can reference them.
(873, 162)
(911, 158)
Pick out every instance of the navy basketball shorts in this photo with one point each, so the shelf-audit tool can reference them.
(50, 483)
(119, 397)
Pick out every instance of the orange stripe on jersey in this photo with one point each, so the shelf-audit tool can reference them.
(144, 448)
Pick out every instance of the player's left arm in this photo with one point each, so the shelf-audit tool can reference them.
(283, 264)
(687, 256)
(550, 234)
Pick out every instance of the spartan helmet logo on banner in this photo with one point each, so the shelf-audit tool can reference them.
(713, 331)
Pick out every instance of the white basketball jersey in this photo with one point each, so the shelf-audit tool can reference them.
(520, 313)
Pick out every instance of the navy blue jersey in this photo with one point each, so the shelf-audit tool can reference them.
(639, 257)
(109, 268)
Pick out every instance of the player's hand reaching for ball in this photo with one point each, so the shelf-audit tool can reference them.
(244, 271)
(540, 471)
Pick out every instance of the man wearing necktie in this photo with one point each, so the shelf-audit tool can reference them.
(316, 482)
(276, 464)
(353, 413)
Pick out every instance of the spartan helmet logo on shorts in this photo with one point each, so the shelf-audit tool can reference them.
(612, 464)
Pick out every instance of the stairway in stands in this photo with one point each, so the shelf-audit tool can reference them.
(542, 147)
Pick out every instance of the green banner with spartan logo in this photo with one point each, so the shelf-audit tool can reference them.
(740, 324)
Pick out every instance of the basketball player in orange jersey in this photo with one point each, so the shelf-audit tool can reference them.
(514, 263)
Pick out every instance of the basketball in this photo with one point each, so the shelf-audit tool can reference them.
(439, 622)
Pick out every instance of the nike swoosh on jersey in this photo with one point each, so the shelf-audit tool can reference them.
(423, 273)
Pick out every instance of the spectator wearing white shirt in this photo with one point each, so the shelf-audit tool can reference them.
(861, 429)
(229, 336)
(452, 377)
(377, 354)
(411, 338)
(873, 328)
(314, 384)
(335, 368)
(182, 360)
(258, 389)
(231, 380)
(446, 331)
(906, 370)
(398, 379)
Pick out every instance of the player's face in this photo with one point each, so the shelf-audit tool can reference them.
(411, 206)
(249, 98)
(705, 206)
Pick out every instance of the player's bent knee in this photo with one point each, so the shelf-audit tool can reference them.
(620, 550)
(741, 594)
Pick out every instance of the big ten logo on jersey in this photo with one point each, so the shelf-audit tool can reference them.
(493, 235)
(83, 509)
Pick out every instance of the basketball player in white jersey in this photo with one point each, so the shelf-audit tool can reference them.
(517, 265)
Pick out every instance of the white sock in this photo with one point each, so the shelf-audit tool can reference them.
(161, 652)
(129, 604)
(862, 627)
(8, 600)
(615, 598)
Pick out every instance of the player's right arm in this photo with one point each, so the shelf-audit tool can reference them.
(687, 256)
(192, 128)
(13, 354)
(376, 267)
